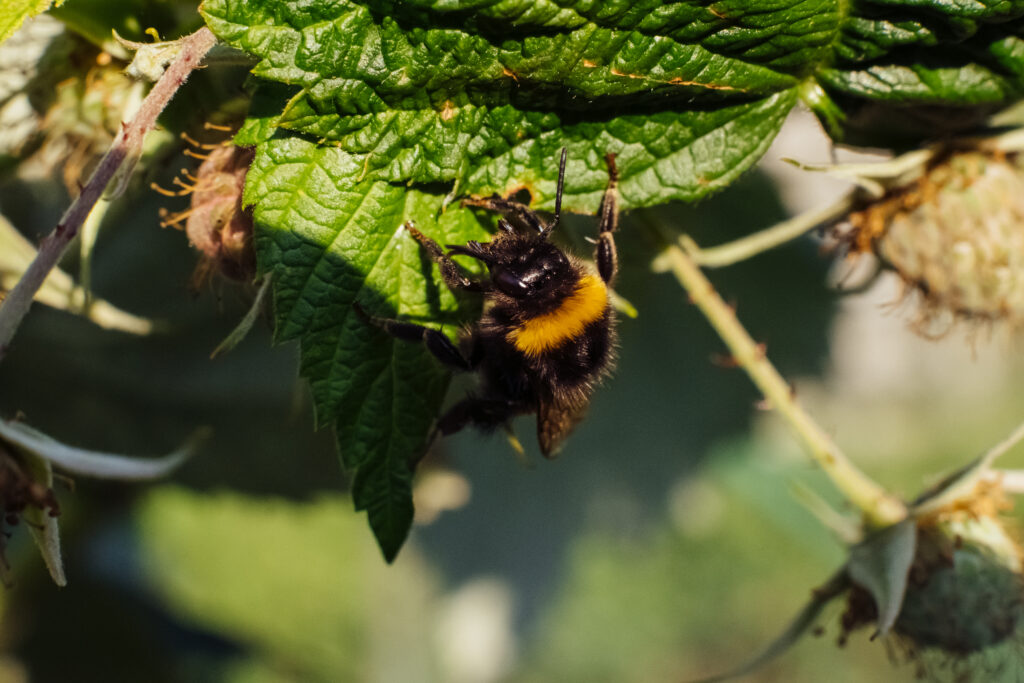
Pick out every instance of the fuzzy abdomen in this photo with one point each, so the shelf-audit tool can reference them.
(571, 370)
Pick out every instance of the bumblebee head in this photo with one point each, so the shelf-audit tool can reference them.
(532, 271)
(521, 266)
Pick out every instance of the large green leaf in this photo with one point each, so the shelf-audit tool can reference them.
(372, 112)
(907, 70)
(331, 240)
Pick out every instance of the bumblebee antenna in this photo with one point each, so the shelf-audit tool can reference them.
(558, 193)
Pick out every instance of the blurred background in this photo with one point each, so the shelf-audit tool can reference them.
(665, 543)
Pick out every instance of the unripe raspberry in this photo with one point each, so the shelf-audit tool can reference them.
(965, 592)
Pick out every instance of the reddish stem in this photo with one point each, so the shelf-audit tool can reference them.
(127, 145)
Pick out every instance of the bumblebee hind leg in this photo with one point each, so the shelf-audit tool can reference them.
(605, 255)
(485, 413)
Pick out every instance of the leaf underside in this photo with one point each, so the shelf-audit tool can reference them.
(393, 108)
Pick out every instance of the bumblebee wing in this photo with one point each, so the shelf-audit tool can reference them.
(555, 420)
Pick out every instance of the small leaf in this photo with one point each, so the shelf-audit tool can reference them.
(963, 483)
(799, 626)
(245, 324)
(92, 463)
(41, 523)
(881, 564)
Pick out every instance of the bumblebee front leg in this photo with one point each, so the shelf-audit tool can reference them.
(439, 345)
(605, 255)
(453, 274)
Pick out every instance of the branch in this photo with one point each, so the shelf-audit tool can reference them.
(127, 147)
(879, 507)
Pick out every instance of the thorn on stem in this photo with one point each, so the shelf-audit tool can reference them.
(723, 360)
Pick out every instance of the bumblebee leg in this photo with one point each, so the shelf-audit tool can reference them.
(439, 345)
(507, 207)
(453, 274)
(605, 254)
(482, 412)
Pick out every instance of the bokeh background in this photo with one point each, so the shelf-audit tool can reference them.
(666, 543)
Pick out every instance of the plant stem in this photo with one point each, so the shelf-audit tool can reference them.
(127, 146)
(769, 238)
(879, 507)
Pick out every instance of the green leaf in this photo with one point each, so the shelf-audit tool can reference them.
(41, 523)
(911, 69)
(662, 156)
(14, 12)
(371, 112)
(396, 96)
(375, 56)
(442, 105)
(949, 81)
(331, 240)
(881, 564)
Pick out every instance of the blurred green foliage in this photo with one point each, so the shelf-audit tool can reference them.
(298, 585)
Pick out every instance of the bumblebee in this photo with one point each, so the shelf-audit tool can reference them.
(547, 334)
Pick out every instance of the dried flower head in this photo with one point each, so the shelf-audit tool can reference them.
(954, 235)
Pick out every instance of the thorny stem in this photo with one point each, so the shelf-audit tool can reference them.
(878, 506)
(126, 146)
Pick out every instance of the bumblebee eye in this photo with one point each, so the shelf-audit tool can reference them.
(510, 284)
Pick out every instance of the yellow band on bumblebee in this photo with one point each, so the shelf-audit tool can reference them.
(549, 331)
